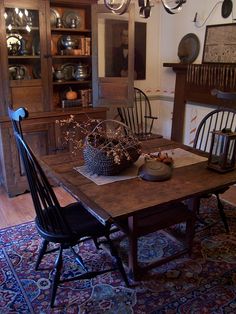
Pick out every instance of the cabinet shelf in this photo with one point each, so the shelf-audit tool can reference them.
(71, 30)
(71, 57)
(23, 29)
(72, 82)
(24, 57)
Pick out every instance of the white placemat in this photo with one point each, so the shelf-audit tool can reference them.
(130, 173)
(181, 158)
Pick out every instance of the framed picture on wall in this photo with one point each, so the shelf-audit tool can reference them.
(116, 49)
(220, 44)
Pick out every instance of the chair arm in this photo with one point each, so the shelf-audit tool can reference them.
(153, 118)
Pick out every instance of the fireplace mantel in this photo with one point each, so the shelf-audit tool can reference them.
(194, 83)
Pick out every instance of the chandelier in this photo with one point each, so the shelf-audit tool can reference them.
(121, 6)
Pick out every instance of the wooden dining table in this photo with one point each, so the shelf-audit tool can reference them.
(127, 200)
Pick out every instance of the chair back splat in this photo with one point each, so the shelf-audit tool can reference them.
(66, 226)
(139, 118)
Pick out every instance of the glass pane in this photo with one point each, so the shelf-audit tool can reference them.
(23, 43)
(113, 48)
(111, 60)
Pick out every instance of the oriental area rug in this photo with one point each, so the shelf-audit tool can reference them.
(202, 283)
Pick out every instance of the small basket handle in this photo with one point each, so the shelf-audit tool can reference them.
(110, 120)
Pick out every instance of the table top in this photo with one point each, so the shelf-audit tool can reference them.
(126, 198)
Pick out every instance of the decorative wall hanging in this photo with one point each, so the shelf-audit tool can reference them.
(220, 44)
(188, 49)
(121, 6)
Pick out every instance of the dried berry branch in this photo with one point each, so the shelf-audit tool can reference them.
(113, 141)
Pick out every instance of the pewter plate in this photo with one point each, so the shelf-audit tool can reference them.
(155, 171)
(68, 16)
(188, 49)
(68, 71)
(14, 39)
(53, 17)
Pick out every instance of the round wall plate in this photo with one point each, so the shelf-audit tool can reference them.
(226, 8)
(188, 49)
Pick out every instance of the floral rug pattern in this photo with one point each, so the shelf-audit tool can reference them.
(202, 283)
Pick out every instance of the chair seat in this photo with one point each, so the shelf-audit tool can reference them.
(80, 221)
(88, 226)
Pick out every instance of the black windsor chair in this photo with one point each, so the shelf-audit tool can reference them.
(216, 120)
(139, 118)
(66, 226)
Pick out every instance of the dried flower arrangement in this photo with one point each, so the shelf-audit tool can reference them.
(109, 146)
(74, 132)
(161, 157)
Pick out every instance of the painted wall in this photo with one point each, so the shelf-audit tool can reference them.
(164, 34)
(174, 27)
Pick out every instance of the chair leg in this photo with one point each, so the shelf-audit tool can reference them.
(56, 278)
(190, 232)
(222, 213)
(95, 240)
(41, 253)
(79, 259)
(114, 253)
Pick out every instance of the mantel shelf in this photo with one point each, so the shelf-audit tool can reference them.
(176, 65)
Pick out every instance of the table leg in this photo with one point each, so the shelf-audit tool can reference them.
(193, 204)
(133, 249)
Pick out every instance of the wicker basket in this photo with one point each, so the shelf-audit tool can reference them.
(97, 160)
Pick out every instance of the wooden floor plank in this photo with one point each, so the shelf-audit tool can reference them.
(19, 209)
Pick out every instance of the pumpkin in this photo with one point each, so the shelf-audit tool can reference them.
(71, 95)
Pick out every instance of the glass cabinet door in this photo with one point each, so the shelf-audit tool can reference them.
(113, 57)
(23, 53)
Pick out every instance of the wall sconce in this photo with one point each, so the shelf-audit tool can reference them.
(222, 151)
(121, 6)
(226, 10)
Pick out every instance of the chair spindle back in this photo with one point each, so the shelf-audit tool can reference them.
(138, 116)
(47, 208)
(218, 119)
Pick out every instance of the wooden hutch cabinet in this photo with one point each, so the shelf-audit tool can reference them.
(45, 52)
